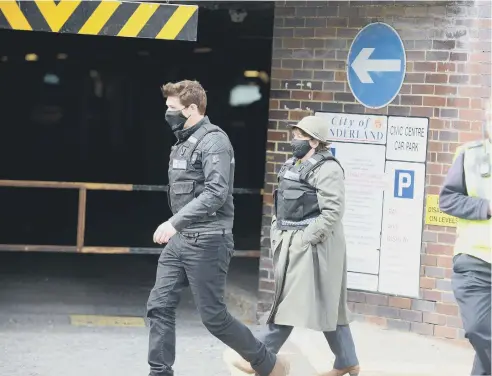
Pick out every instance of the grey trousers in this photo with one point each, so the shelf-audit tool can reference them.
(340, 341)
(201, 263)
(471, 286)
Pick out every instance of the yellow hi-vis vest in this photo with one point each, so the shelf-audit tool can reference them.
(474, 236)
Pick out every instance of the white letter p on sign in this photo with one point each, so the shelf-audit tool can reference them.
(404, 181)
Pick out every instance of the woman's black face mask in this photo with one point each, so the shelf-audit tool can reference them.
(300, 148)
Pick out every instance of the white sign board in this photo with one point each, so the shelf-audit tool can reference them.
(401, 241)
(384, 162)
(407, 139)
(356, 128)
(364, 172)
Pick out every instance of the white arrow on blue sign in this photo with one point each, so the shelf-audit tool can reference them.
(376, 65)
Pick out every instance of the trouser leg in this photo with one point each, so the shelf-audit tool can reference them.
(471, 286)
(161, 311)
(274, 336)
(206, 260)
(343, 347)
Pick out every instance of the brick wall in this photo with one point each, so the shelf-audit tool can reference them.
(448, 79)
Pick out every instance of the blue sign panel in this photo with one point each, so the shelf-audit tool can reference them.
(376, 65)
(404, 184)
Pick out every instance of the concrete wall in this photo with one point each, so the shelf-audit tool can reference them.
(448, 80)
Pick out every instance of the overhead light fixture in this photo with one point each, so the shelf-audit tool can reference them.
(202, 50)
(51, 79)
(31, 57)
(244, 95)
(61, 56)
(256, 74)
(251, 74)
(4, 59)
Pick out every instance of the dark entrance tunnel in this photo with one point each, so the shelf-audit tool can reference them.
(89, 109)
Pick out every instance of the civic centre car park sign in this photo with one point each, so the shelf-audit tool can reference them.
(384, 161)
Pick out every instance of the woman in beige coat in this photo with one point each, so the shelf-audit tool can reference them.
(308, 249)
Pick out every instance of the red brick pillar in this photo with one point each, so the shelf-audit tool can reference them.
(448, 80)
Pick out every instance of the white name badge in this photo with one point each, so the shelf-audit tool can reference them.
(291, 176)
(179, 164)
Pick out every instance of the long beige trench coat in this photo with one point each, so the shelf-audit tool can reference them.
(310, 265)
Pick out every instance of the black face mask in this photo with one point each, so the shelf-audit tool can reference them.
(300, 148)
(176, 120)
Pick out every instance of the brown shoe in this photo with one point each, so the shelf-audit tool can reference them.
(233, 359)
(282, 367)
(351, 371)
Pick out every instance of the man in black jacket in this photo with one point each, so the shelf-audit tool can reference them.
(198, 236)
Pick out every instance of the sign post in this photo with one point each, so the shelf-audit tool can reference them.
(376, 65)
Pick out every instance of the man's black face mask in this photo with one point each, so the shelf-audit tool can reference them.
(176, 119)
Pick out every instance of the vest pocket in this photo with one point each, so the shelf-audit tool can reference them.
(181, 193)
(291, 205)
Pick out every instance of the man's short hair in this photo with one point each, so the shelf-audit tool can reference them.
(188, 92)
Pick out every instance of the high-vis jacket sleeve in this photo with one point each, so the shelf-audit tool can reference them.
(216, 162)
(454, 199)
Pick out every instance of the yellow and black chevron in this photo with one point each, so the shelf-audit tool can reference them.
(106, 17)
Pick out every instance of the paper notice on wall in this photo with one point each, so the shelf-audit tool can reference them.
(363, 260)
(434, 216)
(360, 281)
(364, 171)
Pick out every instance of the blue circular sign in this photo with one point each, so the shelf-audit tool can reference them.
(376, 65)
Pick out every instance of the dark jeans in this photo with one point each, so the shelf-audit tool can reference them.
(471, 286)
(202, 263)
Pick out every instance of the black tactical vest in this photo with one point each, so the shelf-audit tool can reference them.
(186, 177)
(296, 202)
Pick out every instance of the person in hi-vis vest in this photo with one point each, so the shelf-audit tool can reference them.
(466, 194)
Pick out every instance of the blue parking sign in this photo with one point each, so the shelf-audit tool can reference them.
(404, 184)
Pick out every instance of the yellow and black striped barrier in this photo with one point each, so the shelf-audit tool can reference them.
(106, 17)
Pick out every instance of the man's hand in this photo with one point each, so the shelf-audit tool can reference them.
(164, 232)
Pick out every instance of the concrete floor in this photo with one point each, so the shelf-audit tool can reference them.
(41, 293)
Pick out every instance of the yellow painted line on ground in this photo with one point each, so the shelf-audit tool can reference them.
(97, 320)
